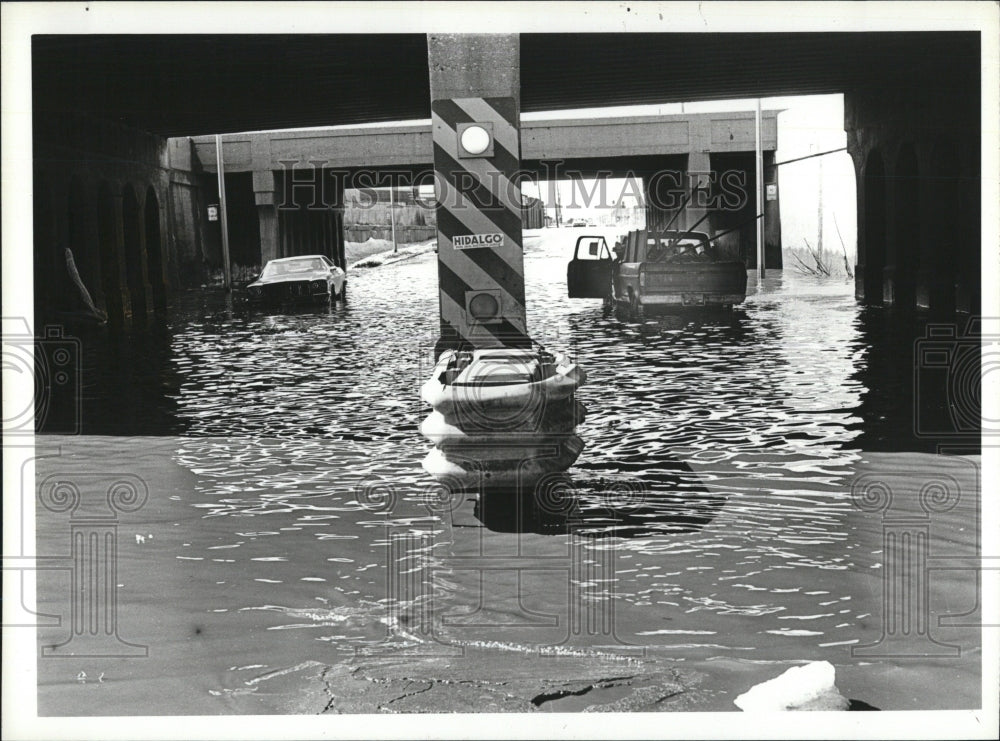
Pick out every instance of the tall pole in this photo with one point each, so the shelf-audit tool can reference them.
(819, 235)
(392, 218)
(222, 215)
(760, 194)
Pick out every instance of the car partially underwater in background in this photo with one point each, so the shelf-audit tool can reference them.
(301, 279)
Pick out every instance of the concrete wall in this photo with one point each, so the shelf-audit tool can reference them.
(108, 194)
(917, 160)
(404, 234)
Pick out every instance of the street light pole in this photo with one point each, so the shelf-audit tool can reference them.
(760, 194)
(220, 168)
(392, 219)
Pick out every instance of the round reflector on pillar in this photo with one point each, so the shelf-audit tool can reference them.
(475, 139)
(484, 306)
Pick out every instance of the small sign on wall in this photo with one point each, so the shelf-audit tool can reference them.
(470, 241)
(213, 212)
(772, 191)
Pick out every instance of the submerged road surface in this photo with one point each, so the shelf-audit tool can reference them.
(292, 556)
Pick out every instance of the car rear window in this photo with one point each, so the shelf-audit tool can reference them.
(291, 267)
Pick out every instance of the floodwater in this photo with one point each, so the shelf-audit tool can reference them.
(711, 520)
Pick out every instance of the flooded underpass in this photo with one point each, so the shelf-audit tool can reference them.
(715, 531)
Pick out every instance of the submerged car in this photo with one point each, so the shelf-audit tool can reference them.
(299, 279)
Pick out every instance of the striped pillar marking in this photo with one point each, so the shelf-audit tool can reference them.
(478, 196)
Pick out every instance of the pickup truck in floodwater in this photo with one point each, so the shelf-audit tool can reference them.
(656, 271)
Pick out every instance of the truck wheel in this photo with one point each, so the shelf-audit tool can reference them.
(634, 308)
(621, 310)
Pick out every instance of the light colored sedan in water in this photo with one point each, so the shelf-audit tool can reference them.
(299, 279)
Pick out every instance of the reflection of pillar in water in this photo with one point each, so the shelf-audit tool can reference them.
(94, 564)
(905, 584)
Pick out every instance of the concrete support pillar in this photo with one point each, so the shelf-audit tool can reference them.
(267, 214)
(862, 220)
(153, 248)
(162, 234)
(890, 271)
(147, 287)
(699, 185)
(57, 280)
(93, 256)
(267, 217)
(118, 232)
(333, 224)
(968, 233)
(908, 223)
(475, 85)
(772, 215)
(940, 256)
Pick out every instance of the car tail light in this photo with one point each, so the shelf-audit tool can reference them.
(642, 279)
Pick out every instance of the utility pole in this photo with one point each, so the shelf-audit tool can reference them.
(819, 236)
(220, 168)
(392, 218)
(760, 195)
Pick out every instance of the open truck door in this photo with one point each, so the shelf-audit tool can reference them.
(589, 272)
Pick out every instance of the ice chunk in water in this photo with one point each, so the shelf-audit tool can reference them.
(808, 687)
